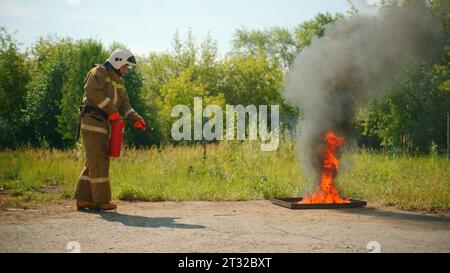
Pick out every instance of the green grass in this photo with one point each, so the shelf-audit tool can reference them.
(231, 172)
(406, 182)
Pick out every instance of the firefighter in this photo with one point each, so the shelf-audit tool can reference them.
(105, 99)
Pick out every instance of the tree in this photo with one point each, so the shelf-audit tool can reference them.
(277, 43)
(281, 44)
(59, 67)
(84, 54)
(134, 84)
(50, 63)
(14, 77)
(252, 80)
(412, 117)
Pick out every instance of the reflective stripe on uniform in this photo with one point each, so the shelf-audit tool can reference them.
(115, 97)
(94, 129)
(129, 112)
(117, 85)
(85, 178)
(114, 84)
(104, 103)
(100, 180)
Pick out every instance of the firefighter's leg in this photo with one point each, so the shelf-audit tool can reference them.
(83, 192)
(96, 145)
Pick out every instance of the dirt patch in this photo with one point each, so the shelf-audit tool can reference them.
(255, 226)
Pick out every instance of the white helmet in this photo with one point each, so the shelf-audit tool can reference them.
(121, 57)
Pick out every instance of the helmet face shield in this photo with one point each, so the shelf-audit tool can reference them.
(132, 60)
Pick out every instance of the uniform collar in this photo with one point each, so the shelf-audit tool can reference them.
(114, 76)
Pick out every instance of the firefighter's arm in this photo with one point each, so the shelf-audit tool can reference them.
(94, 88)
(127, 111)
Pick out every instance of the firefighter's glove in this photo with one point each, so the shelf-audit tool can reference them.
(140, 124)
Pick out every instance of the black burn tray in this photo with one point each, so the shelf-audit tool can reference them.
(292, 203)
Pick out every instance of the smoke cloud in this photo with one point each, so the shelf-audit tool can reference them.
(343, 70)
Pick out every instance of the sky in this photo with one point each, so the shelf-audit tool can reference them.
(149, 25)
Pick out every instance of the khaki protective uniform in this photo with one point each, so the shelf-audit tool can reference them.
(103, 89)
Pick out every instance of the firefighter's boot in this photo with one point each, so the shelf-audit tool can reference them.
(107, 206)
(81, 205)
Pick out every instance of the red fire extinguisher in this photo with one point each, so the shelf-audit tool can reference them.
(115, 141)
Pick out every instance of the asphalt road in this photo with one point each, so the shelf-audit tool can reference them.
(256, 226)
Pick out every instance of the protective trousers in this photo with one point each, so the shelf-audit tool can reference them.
(93, 184)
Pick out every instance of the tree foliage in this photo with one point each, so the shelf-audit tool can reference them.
(413, 117)
(41, 88)
(14, 77)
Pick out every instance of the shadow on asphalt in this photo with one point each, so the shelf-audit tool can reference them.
(144, 222)
(398, 215)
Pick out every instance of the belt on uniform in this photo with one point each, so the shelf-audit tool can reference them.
(89, 109)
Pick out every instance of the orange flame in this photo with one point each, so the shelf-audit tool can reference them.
(327, 192)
